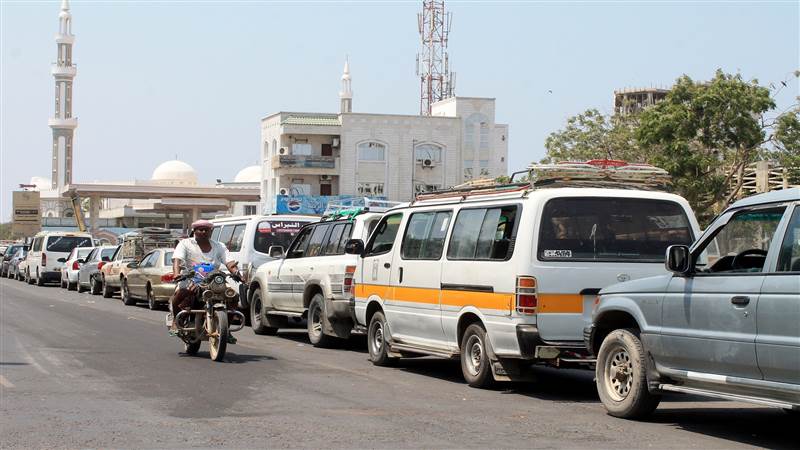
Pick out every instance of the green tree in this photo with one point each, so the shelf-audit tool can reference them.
(786, 141)
(592, 135)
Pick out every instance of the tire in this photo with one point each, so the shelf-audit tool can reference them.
(260, 323)
(127, 299)
(151, 299)
(107, 291)
(39, 280)
(475, 364)
(217, 345)
(72, 286)
(28, 278)
(316, 314)
(191, 349)
(621, 376)
(62, 284)
(376, 341)
(78, 285)
(95, 286)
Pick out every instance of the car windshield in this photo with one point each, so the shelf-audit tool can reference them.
(83, 252)
(107, 253)
(611, 229)
(12, 250)
(65, 244)
(276, 232)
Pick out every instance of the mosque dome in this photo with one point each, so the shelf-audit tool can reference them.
(250, 174)
(175, 172)
(41, 183)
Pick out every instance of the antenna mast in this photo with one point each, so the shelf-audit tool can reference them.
(433, 67)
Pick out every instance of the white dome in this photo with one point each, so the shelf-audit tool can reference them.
(251, 174)
(177, 172)
(41, 183)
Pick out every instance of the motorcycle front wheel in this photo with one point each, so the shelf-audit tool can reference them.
(191, 348)
(218, 337)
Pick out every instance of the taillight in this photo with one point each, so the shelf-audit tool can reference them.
(168, 277)
(44, 258)
(100, 265)
(526, 295)
(76, 265)
(347, 285)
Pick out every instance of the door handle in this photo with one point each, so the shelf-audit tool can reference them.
(401, 275)
(740, 300)
(387, 265)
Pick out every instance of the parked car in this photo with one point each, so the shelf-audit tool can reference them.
(112, 273)
(724, 323)
(505, 277)
(89, 272)
(150, 279)
(135, 245)
(313, 280)
(13, 264)
(22, 268)
(6, 255)
(248, 239)
(49, 252)
(69, 275)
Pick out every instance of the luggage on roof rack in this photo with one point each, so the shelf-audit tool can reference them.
(355, 206)
(600, 173)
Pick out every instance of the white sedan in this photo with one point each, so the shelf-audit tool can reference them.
(69, 274)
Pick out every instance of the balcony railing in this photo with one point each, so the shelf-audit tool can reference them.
(303, 161)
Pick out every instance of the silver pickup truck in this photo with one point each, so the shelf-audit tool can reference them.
(725, 323)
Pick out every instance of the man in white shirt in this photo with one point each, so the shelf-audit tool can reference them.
(197, 249)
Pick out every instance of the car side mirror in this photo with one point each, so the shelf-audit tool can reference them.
(62, 260)
(678, 259)
(133, 265)
(276, 251)
(354, 247)
(106, 258)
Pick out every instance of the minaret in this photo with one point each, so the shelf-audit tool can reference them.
(346, 94)
(63, 123)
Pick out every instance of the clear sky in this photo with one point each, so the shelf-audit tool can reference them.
(158, 79)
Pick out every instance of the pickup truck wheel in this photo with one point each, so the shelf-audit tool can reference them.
(107, 291)
(316, 316)
(258, 318)
(475, 364)
(127, 299)
(95, 286)
(622, 376)
(377, 341)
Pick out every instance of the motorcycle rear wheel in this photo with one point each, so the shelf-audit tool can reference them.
(191, 349)
(217, 344)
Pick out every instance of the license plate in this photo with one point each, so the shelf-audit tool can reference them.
(169, 319)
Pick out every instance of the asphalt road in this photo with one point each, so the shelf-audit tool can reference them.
(78, 370)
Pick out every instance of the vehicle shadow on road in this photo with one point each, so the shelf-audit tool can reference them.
(356, 343)
(232, 358)
(759, 427)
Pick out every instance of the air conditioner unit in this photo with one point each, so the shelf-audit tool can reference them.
(335, 142)
(283, 151)
(325, 178)
(427, 163)
(283, 191)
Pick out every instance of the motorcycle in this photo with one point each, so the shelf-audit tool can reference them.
(212, 323)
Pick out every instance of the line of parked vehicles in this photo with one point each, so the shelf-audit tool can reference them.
(567, 271)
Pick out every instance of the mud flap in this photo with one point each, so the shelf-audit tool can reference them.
(506, 369)
(338, 328)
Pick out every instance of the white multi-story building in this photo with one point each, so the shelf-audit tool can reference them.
(381, 155)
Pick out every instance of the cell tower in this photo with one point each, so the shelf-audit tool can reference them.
(433, 68)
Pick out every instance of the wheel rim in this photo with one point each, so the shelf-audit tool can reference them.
(316, 321)
(619, 374)
(124, 289)
(474, 355)
(257, 310)
(377, 341)
(151, 300)
(213, 342)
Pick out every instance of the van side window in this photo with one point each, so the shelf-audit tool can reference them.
(425, 233)
(298, 248)
(382, 239)
(236, 238)
(789, 256)
(483, 234)
(225, 234)
(215, 233)
(37, 244)
(316, 243)
(339, 235)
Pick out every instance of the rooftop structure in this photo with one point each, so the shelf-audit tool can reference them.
(634, 100)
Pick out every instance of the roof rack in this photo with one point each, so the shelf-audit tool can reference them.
(600, 173)
(351, 207)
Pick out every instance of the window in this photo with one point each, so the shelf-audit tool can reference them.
(225, 234)
(298, 248)
(107, 253)
(425, 233)
(371, 151)
(215, 233)
(236, 238)
(741, 244)
(339, 236)
(483, 234)
(611, 229)
(65, 244)
(37, 244)
(315, 244)
(92, 256)
(382, 239)
(250, 210)
(301, 149)
(428, 151)
(275, 232)
(168, 259)
(789, 256)
(148, 260)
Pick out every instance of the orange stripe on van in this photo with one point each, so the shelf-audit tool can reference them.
(560, 303)
(486, 300)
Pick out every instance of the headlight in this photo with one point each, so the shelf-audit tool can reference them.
(219, 279)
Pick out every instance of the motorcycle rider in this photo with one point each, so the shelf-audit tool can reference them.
(197, 249)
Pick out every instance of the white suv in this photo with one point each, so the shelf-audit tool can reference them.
(313, 279)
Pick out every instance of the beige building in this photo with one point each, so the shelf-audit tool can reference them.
(387, 155)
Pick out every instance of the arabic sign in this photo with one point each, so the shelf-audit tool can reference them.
(27, 220)
(279, 226)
